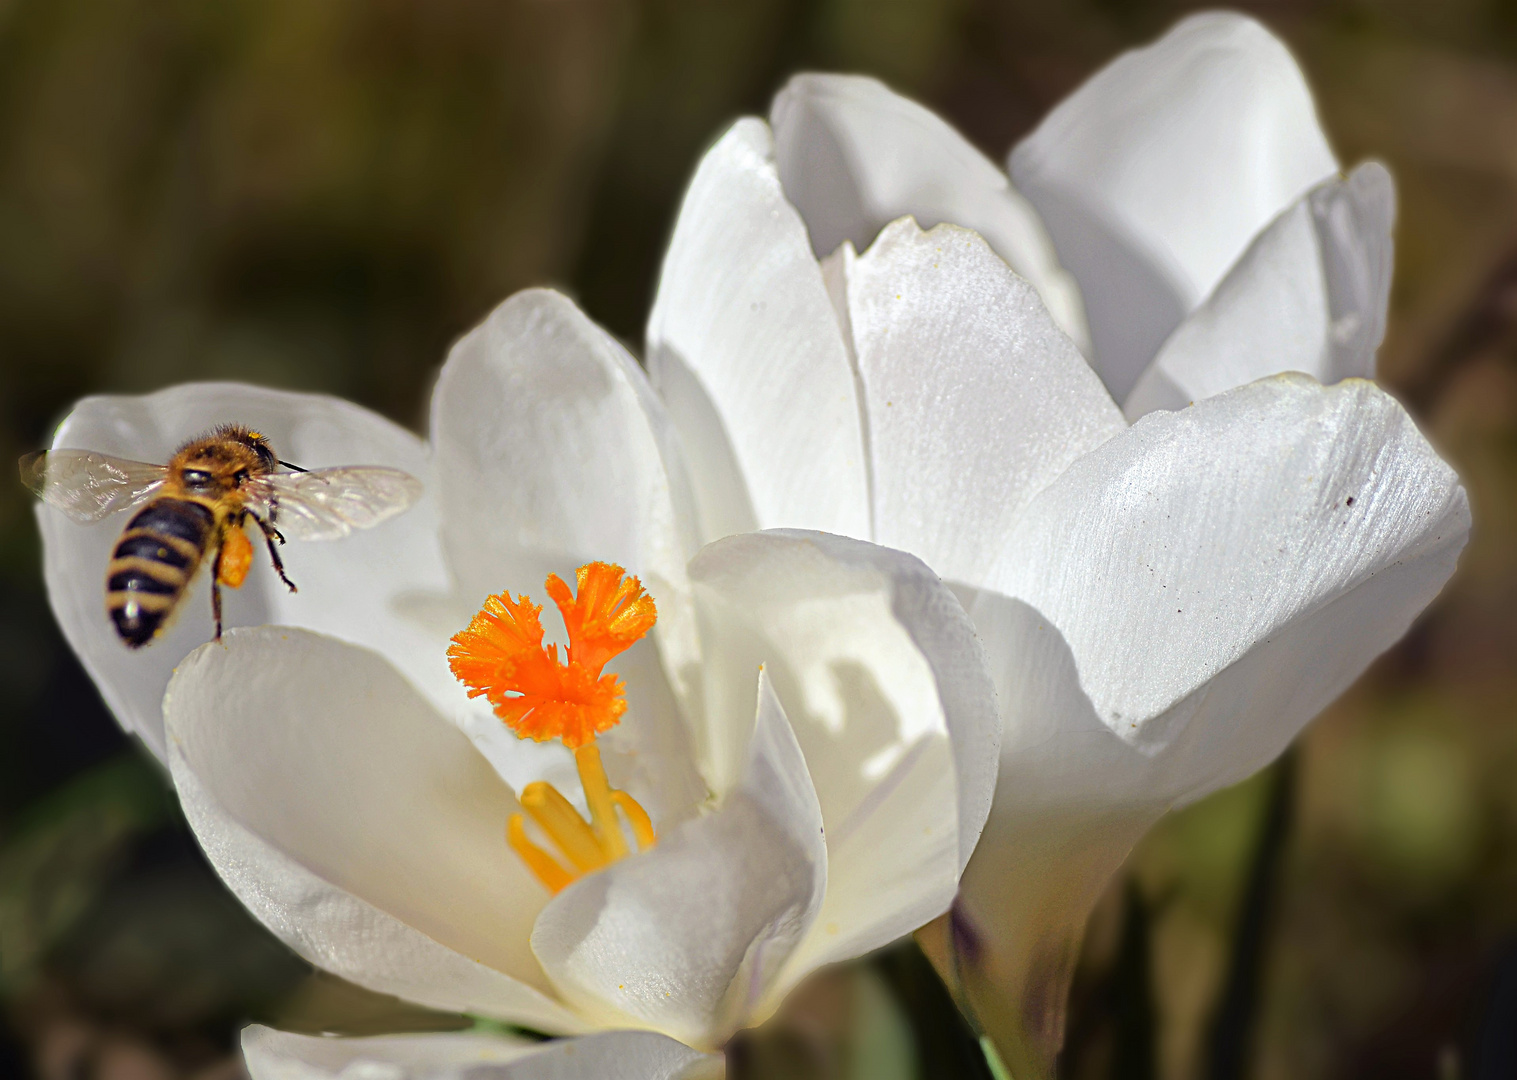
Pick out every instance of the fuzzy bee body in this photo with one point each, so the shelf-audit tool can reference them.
(196, 508)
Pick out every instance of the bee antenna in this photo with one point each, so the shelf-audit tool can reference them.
(293, 468)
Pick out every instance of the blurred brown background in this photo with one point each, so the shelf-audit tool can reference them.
(322, 195)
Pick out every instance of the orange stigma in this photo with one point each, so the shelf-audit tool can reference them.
(501, 656)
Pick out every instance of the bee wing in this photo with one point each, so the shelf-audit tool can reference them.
(326, 504)
(87, 486)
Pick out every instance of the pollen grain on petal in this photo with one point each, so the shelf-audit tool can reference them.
(609, 613)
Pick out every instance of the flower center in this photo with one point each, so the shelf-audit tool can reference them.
(501, 656)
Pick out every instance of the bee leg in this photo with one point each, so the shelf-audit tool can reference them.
(271, 534)
(216, 592)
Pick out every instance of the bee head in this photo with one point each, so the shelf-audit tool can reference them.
(255, 441)
(259, 444)
(225, 459)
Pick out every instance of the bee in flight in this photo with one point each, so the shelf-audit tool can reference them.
(197, 507)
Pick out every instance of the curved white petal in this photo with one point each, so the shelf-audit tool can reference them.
(854, 156)
(1018, 922)
(611, 1055)
(356, 823)
(350, 587)
(688, 937)
(649, 754)
(975, 399)
(552, 451)
(745, 348)
(1155, 174)
(271, 1054)
(1175, 608)
(1310, 295)
(1270, 541)
(340, 933)
(883, 681)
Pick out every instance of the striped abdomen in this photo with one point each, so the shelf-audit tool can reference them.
(153, 562)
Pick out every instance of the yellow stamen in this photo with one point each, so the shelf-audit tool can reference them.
(542, 865)
(558, 818)
(637, 817)
(501, 656)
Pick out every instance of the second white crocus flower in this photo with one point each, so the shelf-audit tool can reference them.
(1165, 605)
(803, 747)
(1187, 187)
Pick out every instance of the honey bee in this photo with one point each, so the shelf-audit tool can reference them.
(197, 507)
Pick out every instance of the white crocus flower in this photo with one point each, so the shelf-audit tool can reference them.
(1187, 187)
(810, 727)
(1164, 605)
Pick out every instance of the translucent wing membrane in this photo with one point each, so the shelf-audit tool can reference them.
(326, 504)
(87, 486)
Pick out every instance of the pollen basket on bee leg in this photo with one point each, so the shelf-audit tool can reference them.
(236, 557)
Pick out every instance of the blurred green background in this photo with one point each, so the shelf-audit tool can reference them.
(323, 194)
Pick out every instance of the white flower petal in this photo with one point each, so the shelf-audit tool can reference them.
(975, 399)
(1309, 295)
(885, 686)
(349, 587)
(271, 1054)
(1232, 540)
(687, 937)
(611, 1055)
(745, 348)
(1180, 604)
(854, 156)
(1071, 799)
(1021, 913)
(649, 754)
(1155, 174)
(356, 823)
(552, 451)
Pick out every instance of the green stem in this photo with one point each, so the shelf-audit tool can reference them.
(1231, 1035)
